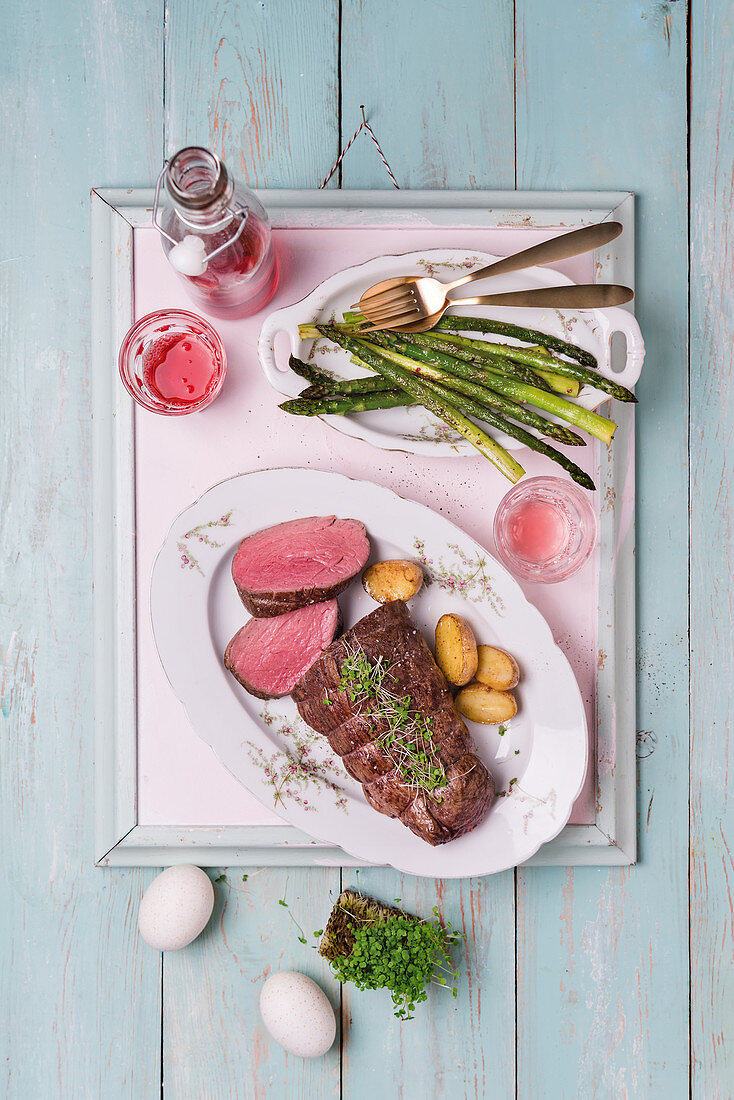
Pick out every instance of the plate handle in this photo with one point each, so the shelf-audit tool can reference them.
(272, 325)
(620, 320)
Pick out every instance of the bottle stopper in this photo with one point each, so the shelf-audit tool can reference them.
(189, 256)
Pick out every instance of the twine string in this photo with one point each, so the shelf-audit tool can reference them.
(364, 125)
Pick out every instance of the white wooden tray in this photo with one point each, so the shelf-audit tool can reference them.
(131, 724)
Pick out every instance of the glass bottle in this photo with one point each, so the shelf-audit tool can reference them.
(216, 235)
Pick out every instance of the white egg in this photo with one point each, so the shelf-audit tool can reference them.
(176, 907)
(297, 1013)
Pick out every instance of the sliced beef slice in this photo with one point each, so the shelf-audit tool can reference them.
(389, 794)
(269, 656)
(465, 799)
(300, 562)
(357, 731)
(367, 762)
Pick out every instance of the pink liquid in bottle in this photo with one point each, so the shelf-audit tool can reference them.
(240, 270)
(247, 268)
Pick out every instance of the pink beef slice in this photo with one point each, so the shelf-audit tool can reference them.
(300, 562)
(269, 656)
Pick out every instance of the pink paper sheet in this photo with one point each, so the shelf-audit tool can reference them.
(180, 781)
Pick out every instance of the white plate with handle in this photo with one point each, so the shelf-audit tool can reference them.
(538, 763)
(414, 429)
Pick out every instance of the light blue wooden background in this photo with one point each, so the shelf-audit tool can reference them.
(577, 983)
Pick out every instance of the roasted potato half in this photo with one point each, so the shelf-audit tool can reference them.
(392, 580)
(496, 668)
(480, 703)
(456, 649)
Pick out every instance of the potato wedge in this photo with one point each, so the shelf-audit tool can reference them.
(480, 703)
(496, 668)
(392, 580)
(456, 649)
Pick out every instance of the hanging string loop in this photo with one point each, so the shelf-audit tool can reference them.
(364, 125)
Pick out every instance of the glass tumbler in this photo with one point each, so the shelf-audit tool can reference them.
(172, 362)
(545, 529)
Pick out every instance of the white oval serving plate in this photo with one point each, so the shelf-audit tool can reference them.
(414, 429)
(538, 764)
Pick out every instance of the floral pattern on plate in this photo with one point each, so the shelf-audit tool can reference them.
(467, 578)
(292, 772)
(198, 534)
(431, 268)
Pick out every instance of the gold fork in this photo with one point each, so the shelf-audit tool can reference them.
(414, 303)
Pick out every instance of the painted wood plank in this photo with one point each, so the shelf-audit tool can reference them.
(601, 102)
(463, 1047)
(439, 123)
(214, 1044)
(81, 105)
(258, 83)
(712, 551)
(436, 133)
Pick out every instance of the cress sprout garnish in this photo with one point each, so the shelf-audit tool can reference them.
(376, 946)
(408, 739)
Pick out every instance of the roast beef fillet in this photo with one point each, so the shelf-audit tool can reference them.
(297, 563)
(436, 816)
(269, 656)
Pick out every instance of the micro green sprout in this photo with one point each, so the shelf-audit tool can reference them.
(406, 736)
(401, 954)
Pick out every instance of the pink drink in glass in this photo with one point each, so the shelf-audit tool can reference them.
(172, 362)
(545, 529)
